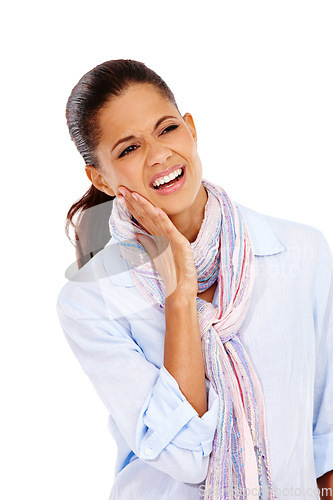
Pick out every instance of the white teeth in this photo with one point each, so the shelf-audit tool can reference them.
(167, 178)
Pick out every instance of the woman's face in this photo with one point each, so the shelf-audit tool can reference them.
(142, 135)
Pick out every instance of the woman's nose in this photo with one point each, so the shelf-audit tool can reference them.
(157, 153)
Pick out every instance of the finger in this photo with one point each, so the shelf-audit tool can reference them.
(156, 216)
(169, 229)
(144, 208)
(137, 201)
(162, 225)
(144, 220)
(132, 202)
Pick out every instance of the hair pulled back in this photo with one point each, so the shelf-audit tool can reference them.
(90, 94)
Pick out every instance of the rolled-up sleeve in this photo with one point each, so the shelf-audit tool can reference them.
(171, 419)
(323, 389)
(146, 403)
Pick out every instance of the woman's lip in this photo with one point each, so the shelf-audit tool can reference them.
(170, 189)
(165, 172)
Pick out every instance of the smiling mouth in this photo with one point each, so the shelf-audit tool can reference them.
(171, 182)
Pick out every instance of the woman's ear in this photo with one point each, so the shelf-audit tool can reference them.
(96, 178)
(188, 119)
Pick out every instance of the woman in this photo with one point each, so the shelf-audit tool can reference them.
(205, 327)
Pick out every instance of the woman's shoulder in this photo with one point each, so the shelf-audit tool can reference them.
(105, 266)
(103, 287)
(270, 234)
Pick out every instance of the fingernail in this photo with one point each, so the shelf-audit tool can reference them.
(135, 196)
(122, 191)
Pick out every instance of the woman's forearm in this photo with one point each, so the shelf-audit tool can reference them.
(183, 356)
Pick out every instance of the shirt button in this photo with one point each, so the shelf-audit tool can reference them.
(148, 451)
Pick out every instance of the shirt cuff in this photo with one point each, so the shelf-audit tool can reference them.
(323, 453)
(170, 418)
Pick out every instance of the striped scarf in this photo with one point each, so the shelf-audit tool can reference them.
(222, 251)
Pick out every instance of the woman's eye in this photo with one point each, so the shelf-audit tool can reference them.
(170, 128)
(128, 150)
(133, 147)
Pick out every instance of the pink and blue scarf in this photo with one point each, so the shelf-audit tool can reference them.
(222, 251)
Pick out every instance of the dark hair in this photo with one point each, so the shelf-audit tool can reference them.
(87, 98)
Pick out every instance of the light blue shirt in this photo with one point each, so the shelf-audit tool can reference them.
(163, 445)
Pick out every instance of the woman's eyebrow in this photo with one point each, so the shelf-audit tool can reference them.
(162, 120)
(129, 137)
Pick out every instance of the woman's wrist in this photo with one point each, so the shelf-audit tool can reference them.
(181, 295)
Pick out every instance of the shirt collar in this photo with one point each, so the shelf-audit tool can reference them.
(264, 242)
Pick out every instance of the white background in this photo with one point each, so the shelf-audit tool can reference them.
(257, 77)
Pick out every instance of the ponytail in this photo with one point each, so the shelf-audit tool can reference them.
(92, 225)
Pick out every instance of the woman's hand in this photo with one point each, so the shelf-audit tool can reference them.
(169, 250)
(172, 256)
